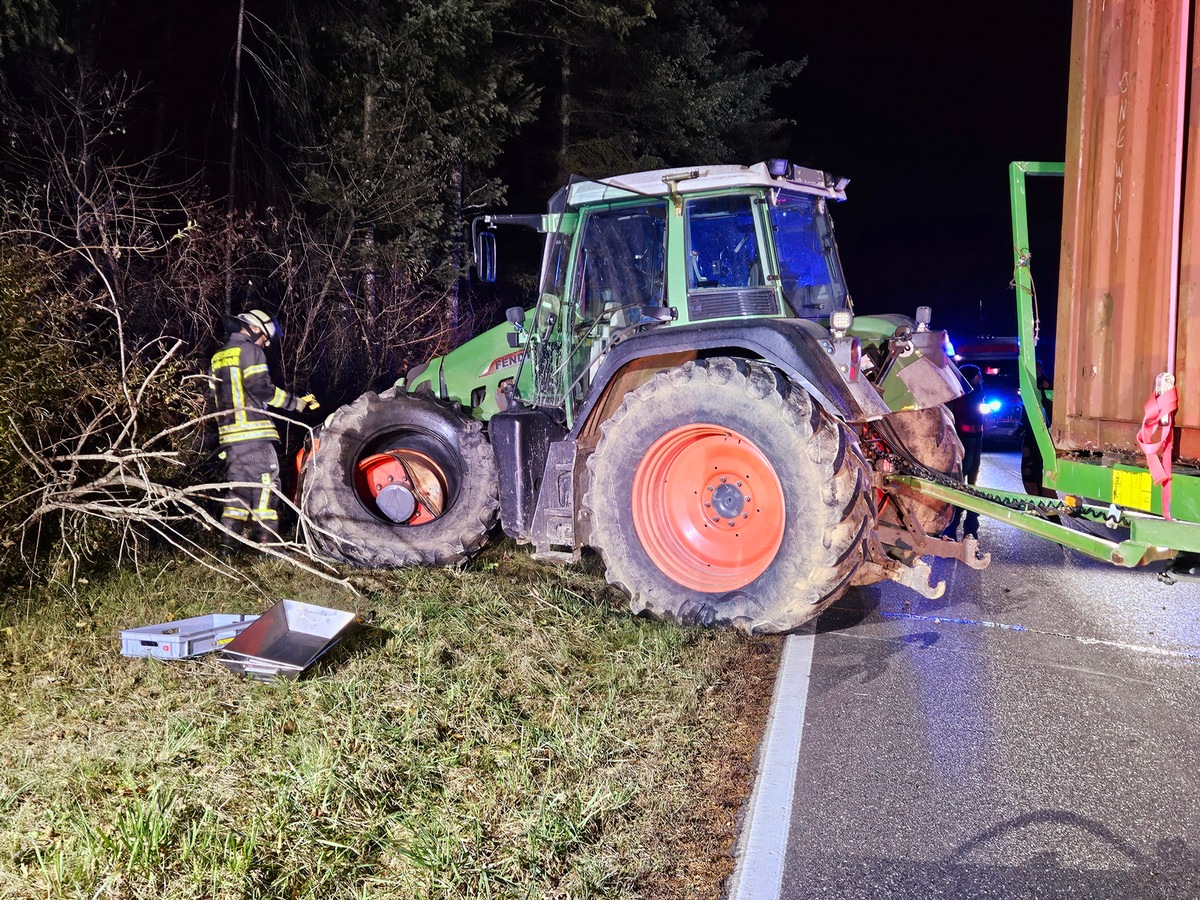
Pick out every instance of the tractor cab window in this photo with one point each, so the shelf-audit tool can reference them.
(722, 246)
(622, 263)
(808, 261)
(554, 263)
(620, 268)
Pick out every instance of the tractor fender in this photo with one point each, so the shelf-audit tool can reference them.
(802, 350)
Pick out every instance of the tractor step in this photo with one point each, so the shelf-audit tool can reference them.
(554, 518)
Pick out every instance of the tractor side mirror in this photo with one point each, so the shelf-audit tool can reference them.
(516, 318)
(485, 256)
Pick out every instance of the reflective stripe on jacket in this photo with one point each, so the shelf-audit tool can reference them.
(242, 389)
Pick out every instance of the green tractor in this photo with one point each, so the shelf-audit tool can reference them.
(691, 396)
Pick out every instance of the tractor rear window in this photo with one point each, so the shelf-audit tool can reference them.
(808, 259)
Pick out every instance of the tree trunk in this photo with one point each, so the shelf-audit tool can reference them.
(564, 117)
(454, 310)
(368, 114)
(233, 144)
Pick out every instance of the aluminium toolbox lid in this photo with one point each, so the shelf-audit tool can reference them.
(286, 640)
(184, 637)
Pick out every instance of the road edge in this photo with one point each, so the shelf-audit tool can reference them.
(762, 843)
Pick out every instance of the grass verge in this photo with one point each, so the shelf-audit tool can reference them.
(503, 730)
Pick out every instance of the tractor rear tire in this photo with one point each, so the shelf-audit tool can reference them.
(721, 494)
(455, 461)
(930, 438)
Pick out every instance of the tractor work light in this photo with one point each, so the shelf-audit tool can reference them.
(840, 321)
(778, 167)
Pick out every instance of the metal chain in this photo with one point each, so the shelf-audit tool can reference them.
(904, 463)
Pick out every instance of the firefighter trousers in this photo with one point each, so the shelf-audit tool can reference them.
(254, 503)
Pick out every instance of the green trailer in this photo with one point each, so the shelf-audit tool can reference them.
(1116, 495)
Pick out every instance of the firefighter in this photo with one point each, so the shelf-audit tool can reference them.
(243, 393)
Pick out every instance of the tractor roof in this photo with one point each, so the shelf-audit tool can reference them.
(695, 179)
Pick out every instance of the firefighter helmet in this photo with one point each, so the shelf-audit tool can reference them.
(257, 320)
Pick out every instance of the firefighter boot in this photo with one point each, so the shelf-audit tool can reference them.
(230, 530)
(265, 534)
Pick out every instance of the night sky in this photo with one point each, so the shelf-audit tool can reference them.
(923, 105)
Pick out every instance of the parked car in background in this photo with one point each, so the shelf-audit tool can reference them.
(1000, 398)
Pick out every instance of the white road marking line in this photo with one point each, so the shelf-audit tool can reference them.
(1086, 641)
(762, 845)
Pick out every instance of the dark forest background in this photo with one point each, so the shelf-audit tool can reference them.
(319, 160)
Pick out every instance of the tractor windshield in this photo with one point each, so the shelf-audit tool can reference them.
(808, 260)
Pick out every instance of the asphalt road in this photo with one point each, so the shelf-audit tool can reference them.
(1032, 733)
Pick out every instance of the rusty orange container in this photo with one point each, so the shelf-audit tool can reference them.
(1129, 307)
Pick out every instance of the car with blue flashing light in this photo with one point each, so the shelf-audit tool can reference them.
(1000, 397)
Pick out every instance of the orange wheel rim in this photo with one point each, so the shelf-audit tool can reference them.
(399, 467)
(708, 508)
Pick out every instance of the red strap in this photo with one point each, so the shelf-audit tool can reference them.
(1155, 438)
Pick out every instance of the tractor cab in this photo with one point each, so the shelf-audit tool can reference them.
(669, 248)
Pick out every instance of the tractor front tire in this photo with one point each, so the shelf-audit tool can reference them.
(930, 438)
(721, 494)
(437, 467)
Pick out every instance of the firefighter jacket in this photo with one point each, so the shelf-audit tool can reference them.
(242, 390)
